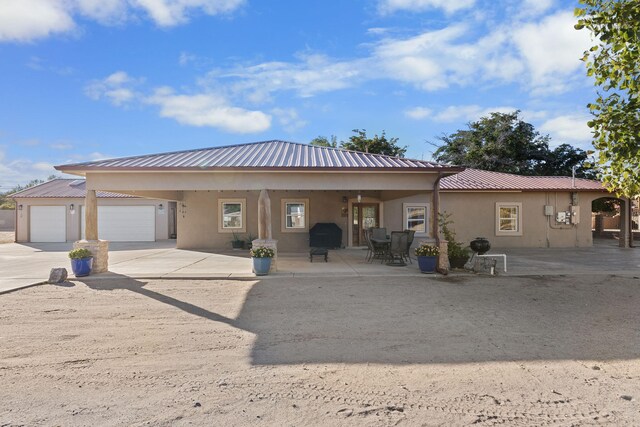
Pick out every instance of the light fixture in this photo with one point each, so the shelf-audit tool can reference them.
(160, 207)
(344, 199)
(359, 197)
(19, 207)
(72, 209)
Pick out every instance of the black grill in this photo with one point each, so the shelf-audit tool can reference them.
(325, 235)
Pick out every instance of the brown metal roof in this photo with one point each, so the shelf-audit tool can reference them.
(266, 155)
(71, 188)
(476, 179)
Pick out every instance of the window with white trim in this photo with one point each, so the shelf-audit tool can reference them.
(416, 217)
(232, 215)
(295, 215)
(508, 219)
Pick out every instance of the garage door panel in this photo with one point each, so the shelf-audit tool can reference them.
(125, 223)
(47, 224)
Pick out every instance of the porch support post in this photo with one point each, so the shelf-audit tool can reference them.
(99, 248)
(443, 258)
(265, 237)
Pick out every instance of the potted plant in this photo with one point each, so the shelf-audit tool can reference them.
(237, 242)
(458, 254)
(427, 257)
(81, 261)
(262, 256)
(250, 240)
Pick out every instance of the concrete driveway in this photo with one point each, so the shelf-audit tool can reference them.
(27, 264)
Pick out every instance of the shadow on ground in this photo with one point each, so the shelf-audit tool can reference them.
(419, 321)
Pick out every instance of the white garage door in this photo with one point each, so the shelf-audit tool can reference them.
(48, 224)
(125, 223)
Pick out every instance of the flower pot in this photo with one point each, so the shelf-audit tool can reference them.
(81, 266)
(261, 266)
(427, 264)
(458, 261)
(480, 245)
(237, 244)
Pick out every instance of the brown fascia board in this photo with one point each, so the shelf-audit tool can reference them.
(77, 170)
(524, 190)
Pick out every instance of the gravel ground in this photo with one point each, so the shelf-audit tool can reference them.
(357, 351)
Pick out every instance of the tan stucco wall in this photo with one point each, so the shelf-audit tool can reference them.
(74, 221)
(198, 221)
(474, 215)
(178, 181)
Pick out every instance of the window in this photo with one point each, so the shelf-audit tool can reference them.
(415, 217)
(295, 215)
(232, 215)
(509, 219)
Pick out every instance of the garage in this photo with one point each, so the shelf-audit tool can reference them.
(48, 224)
(125, 223)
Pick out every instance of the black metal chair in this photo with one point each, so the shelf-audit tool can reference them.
(374, 250)
(379, 233)
(397, 248)
(411, 235)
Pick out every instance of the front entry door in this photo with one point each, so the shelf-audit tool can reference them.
(364, 215)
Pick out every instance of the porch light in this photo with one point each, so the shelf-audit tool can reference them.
(359, 197)
(72, 209)
(19, 207)
(161, 207)
(344, 199)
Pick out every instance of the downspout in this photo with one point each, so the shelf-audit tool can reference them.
(15, 227)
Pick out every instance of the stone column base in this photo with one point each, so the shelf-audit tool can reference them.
(100, 251)
(269, 243)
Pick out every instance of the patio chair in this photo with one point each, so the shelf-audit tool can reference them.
(411, 235)
(374, 250)
(379, 233)
(397, 248)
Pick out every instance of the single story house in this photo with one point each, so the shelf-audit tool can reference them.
(54, 212)
(217, 190)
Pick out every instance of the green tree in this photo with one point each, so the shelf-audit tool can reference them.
(614, 62)
(323, 141)
(7, 203)
(377, 145)
(502, 142)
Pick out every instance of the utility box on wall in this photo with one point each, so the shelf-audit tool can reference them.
(575, 214)
(548, 210)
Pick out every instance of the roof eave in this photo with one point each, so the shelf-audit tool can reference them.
(83, 170)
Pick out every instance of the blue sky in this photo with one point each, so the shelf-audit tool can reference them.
(90, 79)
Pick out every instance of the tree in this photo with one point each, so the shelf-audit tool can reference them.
(614, 61)
(323, 141)
(7, 203)
(377, 144)
(502, 142)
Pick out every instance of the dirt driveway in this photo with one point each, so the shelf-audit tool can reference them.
(357, 351)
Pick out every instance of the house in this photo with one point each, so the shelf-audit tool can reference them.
(53, 212)
(216, 191)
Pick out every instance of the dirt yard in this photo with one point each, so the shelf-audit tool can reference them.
(7, 236)
(295, 352)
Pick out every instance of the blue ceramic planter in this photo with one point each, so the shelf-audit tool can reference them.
(261, 266)
(81, 267)
(427, 264)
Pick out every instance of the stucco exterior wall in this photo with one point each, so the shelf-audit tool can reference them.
(474, 215)
(74, 220)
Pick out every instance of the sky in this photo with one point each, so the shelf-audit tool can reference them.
(84, 80)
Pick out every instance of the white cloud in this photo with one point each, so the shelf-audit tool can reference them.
(20, 171)
(551, 49)
(418, 113)
(208, 110)
(571, 128)
(25, 20)
(289, 119)
(449, 6)
(535, 7)
(118, 88)
(62, 146)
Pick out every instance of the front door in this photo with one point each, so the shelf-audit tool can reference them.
(364, 215)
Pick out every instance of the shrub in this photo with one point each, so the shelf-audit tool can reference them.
(80, 253)
(262, 252)
(454, 248)
(427, 250)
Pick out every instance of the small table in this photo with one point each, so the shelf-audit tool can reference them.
(319, 251)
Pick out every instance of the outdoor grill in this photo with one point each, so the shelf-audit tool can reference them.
(325, 235)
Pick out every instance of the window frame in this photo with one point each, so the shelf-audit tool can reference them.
(518, 218)
(283, 216)
(427, 215)
(243, 216)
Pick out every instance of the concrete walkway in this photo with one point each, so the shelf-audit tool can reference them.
(24, 265)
